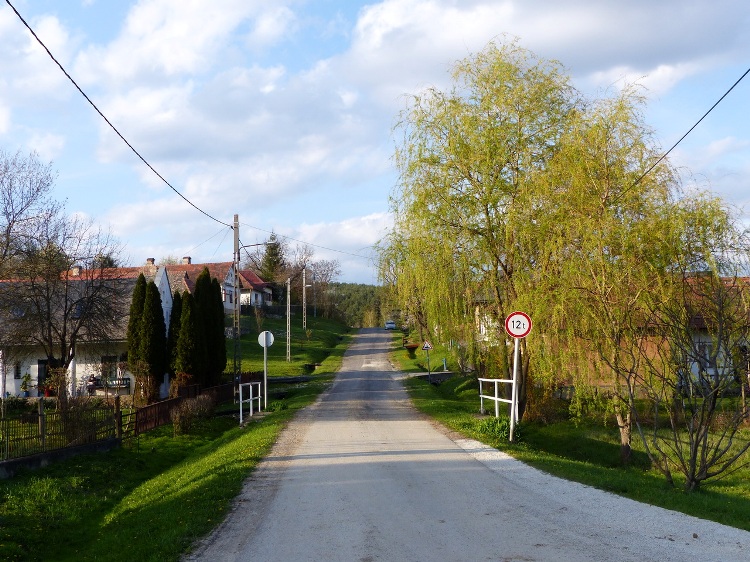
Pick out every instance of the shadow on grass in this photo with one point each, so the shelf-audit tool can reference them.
(568, 442)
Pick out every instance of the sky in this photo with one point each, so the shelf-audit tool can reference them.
(282, 111)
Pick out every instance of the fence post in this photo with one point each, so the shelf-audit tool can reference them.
(118, 418)
(42, 428)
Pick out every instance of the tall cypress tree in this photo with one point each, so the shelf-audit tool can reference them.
(205, 323)
(134, 322)
(174, 331)
(191, 346)
(219, 348)
(153, 344)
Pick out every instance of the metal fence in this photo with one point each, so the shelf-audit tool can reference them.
(40, 432)
(43, 431)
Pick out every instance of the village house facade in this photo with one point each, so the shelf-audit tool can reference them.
(101, 368)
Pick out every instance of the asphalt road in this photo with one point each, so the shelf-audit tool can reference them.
(361, 476)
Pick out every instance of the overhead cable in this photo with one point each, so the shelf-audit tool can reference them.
(109, 122)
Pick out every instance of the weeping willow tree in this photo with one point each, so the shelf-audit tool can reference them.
(515, 193)
(608, 232)
(468, 157)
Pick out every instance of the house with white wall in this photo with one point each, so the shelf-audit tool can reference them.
(105, 362)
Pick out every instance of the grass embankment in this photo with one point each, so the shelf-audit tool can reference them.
(151, 499)
(319, 349)
(587, 452)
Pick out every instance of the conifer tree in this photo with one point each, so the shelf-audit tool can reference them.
(204, 313)
(191, 346)
(218, 352)
(174, 331)
(153, 343)
(134, 322)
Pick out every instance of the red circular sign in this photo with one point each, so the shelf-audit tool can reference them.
(518, 324)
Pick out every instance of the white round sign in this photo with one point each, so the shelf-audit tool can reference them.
(265, 339)
(518, 324)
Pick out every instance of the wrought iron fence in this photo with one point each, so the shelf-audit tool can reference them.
(43, 431)
(39, 432)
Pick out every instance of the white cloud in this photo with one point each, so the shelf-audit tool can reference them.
(269, 27)
(4, 119)
(166, 38)
(47, 145)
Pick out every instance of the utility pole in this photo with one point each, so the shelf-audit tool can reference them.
(288, 320)
(304, 300)
(236, 298)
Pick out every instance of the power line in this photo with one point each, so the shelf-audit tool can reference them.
(663, 156)
(308, 243)
(108, 121)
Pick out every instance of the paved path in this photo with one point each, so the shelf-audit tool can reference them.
(360, 476)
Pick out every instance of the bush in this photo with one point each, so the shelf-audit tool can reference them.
(277, 406)
(190, 411)
(499, 428)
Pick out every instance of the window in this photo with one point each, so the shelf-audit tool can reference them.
(704, 355)
(41, 370)
(109, 367)
(17, 371)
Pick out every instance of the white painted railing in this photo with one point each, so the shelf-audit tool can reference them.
(253, 396)
(496, 396)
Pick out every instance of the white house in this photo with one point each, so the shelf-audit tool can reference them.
(96, 360)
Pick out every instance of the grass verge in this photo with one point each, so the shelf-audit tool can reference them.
(148, 501)
(153, 498)
(587, 452)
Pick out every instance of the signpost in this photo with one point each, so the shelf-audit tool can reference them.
(265, 339)
(427, 346)
(518, 325)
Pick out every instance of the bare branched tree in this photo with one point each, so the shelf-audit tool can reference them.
(25, 187)
(61, 291)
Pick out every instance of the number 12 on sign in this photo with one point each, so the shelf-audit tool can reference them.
(518, 324)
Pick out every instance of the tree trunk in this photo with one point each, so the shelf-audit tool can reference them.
(625, 427)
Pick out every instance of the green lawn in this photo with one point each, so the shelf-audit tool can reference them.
(323, 344)
(151, 499)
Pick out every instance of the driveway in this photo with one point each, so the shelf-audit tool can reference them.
(361, 476)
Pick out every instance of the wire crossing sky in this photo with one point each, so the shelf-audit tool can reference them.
(282, 112)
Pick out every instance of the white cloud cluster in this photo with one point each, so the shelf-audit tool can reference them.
(252, 107)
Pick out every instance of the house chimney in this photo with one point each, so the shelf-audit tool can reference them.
(150, 261)
(186, 260)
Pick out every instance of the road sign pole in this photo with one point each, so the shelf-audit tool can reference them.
(265, 372)
(514, 389)
(518, 325)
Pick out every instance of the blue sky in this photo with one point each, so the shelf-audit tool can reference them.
(282, 112)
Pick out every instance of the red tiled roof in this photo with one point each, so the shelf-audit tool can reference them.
(249, 279)
(182, 276)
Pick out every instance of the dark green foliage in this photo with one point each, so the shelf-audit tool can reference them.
(218, 349)
(272, 265)
(174, 331)
(153, 344)
(191, 346)
(202, 296)
(210, 310)
(134, 323)
(359, 305)
(273, 261)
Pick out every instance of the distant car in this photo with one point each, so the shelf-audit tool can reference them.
(390, 325)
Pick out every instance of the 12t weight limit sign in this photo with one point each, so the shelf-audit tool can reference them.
(518, 324)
